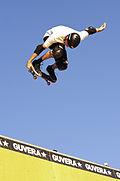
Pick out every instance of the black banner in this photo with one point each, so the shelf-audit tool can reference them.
(57, 157)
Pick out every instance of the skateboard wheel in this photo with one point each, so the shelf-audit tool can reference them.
(34, 77)
(48, 83)
(29, 70)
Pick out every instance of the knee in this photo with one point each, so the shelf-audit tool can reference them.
(63, 66)
(57, 52)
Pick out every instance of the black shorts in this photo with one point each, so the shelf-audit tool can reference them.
(61, 62)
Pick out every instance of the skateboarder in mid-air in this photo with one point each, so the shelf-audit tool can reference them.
(56, 39)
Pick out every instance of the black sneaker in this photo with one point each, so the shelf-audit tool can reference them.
(51, 72)
(36, 67)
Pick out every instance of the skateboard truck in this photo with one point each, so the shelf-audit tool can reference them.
(33, 74)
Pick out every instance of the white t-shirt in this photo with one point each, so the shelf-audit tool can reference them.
(57, 35)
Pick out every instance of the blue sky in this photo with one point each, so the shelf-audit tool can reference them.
(80, 114)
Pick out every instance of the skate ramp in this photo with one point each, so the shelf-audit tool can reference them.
(20, 161)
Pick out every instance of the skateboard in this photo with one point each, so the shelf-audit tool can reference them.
(43, 76)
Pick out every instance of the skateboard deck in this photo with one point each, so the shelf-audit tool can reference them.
(43, 76)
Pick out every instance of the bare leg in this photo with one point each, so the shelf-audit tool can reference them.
(30, 60)
(44, 57)
(47, 55)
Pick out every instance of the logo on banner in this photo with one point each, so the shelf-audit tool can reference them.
(66, 161)
(98, 169)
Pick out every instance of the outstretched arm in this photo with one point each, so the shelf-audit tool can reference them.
(91, 30)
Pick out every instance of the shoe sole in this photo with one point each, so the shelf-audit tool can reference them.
(40, 75)
(51, 77)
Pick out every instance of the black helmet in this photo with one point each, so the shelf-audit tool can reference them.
(73, 40)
